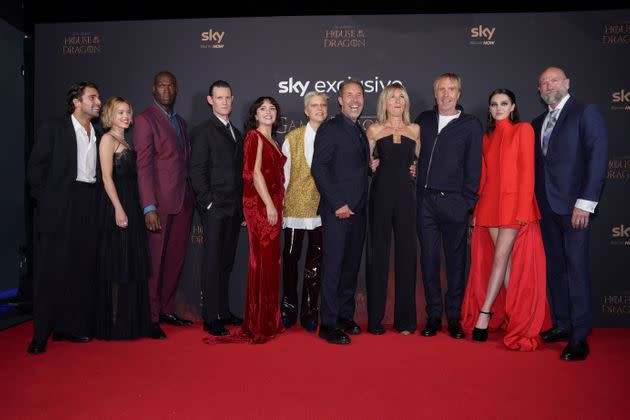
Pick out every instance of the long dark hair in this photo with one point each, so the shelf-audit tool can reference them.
(514, 117)
(252, 124)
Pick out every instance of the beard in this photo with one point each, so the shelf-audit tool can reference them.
(553, 98)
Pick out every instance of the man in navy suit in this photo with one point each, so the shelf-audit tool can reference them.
(340, 170)
(571, 162)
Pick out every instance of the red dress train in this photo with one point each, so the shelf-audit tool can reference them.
(261, 321)
(506, 198)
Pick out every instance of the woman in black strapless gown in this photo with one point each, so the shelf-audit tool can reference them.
(395, 142)
(122, 310)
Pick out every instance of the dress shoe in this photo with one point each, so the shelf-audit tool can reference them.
(216, 327)
(287, 322)
(575, 350)
(309, 325)
(175, 320)
(37, 347)
(349, 326)
(376, 329)
(481, 334)
(433, 326)
(156, 332)
(555, 334)
(333, 335)
(58, 336)
(455, 329)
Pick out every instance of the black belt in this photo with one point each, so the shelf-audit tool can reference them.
(83, 184)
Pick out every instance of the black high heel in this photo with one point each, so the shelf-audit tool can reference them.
(479, 334)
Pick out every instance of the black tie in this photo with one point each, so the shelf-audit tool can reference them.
(229, 127)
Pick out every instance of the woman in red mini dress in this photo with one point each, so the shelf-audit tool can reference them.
(507, 282)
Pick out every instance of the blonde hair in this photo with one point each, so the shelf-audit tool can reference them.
(107, 113)
(310, 95)
(388, 92)
(450, 76)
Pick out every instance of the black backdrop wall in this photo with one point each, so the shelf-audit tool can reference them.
(287, 56)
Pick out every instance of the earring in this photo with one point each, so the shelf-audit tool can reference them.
(511, 115)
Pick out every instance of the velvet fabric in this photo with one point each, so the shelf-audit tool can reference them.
(261, 321)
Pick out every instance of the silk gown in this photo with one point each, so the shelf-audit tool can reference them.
(506, 197)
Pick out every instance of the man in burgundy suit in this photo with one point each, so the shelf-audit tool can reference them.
(163, 150)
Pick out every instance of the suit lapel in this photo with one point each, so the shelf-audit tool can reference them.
(358, 140)
(225, 132)
(70, 137)
(557, 129)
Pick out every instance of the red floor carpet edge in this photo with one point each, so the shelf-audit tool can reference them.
(298, 376)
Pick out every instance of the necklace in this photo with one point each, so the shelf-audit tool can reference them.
(119, 138)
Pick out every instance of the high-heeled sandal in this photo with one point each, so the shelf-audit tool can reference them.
(481, 334)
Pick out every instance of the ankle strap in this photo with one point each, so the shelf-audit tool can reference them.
(487, 313)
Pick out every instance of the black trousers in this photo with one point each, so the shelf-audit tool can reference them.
(442, 219)
(397, 212)
(342, 251)
(220, 237)
(309, 309)
(65, 277)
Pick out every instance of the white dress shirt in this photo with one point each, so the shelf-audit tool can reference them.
(86, 152)
(309, 223)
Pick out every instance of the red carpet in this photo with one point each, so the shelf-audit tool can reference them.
(297, 376)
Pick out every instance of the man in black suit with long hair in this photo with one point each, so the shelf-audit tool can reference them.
(62, 173)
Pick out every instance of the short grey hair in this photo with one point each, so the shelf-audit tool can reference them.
(310, 95)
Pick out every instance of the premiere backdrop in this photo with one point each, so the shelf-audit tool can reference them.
(287, 56)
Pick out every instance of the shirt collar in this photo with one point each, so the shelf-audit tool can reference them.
(164, 111)
(309, 130)
(225, 122)
(77, 126)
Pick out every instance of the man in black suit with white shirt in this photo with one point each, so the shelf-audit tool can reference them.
(62, 173)
(216, 173)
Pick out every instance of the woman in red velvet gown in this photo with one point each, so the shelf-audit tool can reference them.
(507, 282)
(263, 194)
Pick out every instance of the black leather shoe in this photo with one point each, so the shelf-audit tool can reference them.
(333, 335)
(37, 347)
(173, 319)
(287, 323)
(377, 329)
(156, 332)
(575, 350)
(555, 334)
(309, 325)
(57, 336)
(349, 326)
(433, 326)
(232, 320)
(216, 327)
(455, 329)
